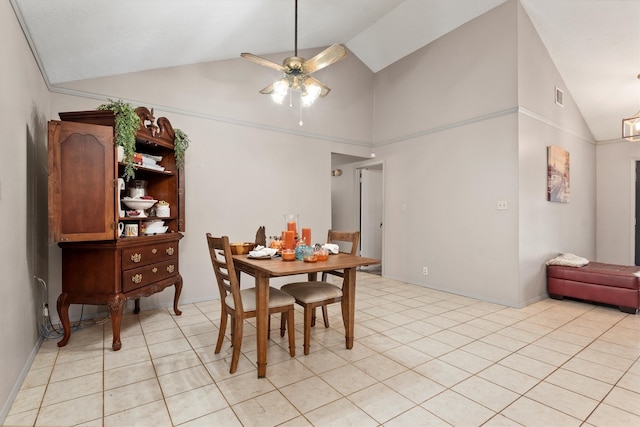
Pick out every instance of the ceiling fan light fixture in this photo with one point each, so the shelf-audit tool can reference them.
(297, 72)
(309, 95)
(280, 90)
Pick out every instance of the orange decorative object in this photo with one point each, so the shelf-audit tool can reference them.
(292, 226)
(242, 248)
(289, 239)
(322, 255)
(288, 255)
(306, 235)
(276, 244)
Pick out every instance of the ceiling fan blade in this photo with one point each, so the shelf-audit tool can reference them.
(333, 53)
(267, 90)
(262, 61)
(324, 89)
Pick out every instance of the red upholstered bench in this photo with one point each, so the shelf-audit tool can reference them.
(598, 282)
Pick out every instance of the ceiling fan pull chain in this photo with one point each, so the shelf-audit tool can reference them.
(300, 122)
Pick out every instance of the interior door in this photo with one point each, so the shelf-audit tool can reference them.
(371, 213)
(82, 190)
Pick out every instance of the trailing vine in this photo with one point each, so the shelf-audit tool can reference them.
(127, 124)
(180, 144)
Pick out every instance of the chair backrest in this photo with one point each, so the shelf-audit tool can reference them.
(345, 239)
(226, 276)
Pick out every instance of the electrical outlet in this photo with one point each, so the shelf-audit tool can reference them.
(425, 271)
(403, 207)
(502, 205)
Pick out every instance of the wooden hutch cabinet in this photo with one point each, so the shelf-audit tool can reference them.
(99, 265)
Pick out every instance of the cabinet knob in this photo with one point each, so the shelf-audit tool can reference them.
(154, 270)
(171, 268)
(136, 278)
(154, 251)
(136, 257)
(169, 250)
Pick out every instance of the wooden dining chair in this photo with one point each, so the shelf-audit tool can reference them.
(352, 240)
(241, 304)
(313, 294)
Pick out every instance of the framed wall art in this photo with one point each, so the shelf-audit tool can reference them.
(558, 188)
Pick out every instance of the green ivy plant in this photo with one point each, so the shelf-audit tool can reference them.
(127, 124)
(180, 145)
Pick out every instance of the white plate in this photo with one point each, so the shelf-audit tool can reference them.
(263, 257)
(150, 233)
(156, 230)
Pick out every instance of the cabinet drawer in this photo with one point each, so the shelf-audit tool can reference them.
(148, 254)
(139, 277)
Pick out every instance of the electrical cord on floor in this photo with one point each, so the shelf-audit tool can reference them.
(103, 321)
(46, 328)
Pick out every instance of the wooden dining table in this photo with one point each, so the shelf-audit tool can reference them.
(264, 269)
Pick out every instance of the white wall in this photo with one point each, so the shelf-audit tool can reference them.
(547, 228)
(461, 124)
(616, 201)
(227, 92)
(446, 126)
(23, 203)
(450, 186)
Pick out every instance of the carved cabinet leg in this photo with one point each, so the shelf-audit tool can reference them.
(178, 286)
(136, 309)
(116, 305)
(63, 314)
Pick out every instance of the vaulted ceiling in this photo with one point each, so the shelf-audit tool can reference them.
(595, 44)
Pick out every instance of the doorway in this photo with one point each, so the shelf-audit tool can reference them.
(357, 203)
(370, 208)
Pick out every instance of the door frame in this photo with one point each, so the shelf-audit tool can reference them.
(634, 215)
(356, 197)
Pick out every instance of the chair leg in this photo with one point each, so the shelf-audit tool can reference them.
(307, 328)
(237, 342)
(292, 332)
(283, 323)
(233, 329)
(325, 316)
(313, 316)
(221, 331)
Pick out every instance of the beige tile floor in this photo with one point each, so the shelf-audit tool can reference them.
(421, 358)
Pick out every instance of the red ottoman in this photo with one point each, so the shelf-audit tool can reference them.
(598, 282)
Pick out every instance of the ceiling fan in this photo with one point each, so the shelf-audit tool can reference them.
(297, 71)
